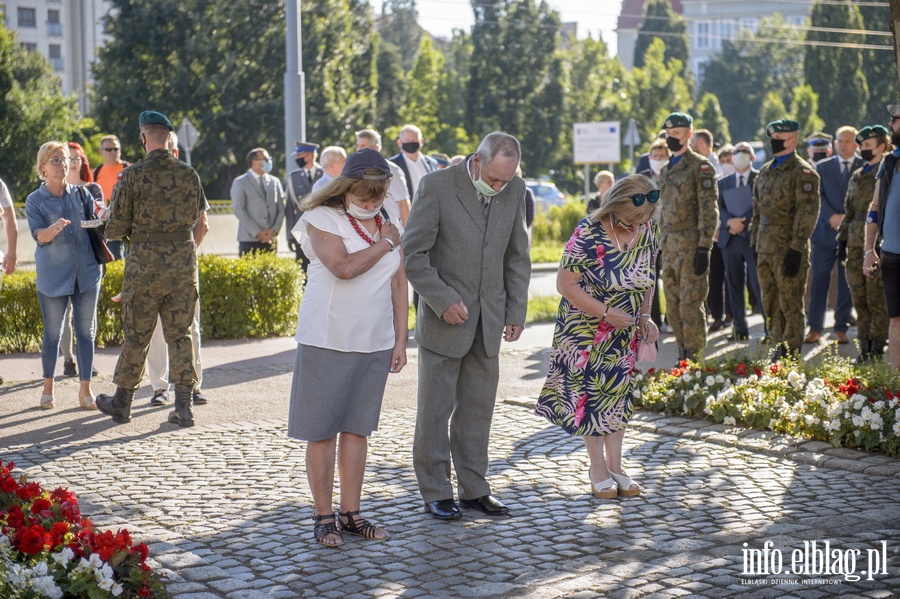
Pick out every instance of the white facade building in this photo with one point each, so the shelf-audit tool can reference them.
(67, 32)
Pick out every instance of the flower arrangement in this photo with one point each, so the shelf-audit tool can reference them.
(48, 550)
(833, 400)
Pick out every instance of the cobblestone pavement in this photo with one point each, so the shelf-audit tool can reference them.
(226, 511)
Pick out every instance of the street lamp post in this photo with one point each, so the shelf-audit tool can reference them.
(294, 86)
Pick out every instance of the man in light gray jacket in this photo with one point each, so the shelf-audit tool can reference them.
(257, 200)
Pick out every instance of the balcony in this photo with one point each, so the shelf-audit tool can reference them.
(55, 29)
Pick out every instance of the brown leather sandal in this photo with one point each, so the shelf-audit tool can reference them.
(360, 526)
(323, 530)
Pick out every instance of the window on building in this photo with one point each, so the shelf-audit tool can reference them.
(27, 17)
(54, 27)
(54, 53)
(749, 24)
(703, 35)
(29, 47)
(726, 30)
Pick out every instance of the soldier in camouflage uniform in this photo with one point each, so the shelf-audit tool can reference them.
(868, 293)
(155, 204)
(785, 211)
(688, 219)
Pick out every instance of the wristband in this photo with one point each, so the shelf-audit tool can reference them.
(603, 318)
(388, 239)
(643, 314)
(868, 252)
(872, 217)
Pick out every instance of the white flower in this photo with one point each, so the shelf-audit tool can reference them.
(833, 425)
(720, 379)
(686, 377)
(878, 405)
(771, 424)
(698, 374)
(858, 401)
(106, 584)
(811, 419)
(730, 421)
(896, 428)
(710, 381)
(46, 586)
(753, 378)
(636, 393)
(796, 379)
(858, 421)
(64, 557)
(792, 416)
(95, 560)
(116, 589)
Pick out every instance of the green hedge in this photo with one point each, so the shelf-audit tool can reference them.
(557, 223)
(254, 296)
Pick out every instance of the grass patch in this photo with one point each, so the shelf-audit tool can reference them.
(547, 251)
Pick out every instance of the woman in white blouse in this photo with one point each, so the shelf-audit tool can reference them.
(351, 332)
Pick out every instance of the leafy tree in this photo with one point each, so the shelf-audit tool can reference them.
(878, 66)
(33, 110)
(594, 91)
(400, 28)
(772, 109)
(656, 90)
(708, 115)
(805, 109)
(512, 81)
(751, 67)
(663, 23)
(391, 86)
(835, 72)
(452, 138)
(221, 65)
(422, 87)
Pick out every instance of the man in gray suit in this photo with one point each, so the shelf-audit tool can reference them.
(257, 200)
(467, 256)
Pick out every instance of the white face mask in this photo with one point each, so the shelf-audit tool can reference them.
(657, 165)
(741, 160)
(361, 213)
(727, 169)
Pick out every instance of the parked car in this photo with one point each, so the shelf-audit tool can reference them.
(546, 194)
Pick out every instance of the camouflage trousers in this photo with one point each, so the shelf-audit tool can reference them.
(685, 294)
(782, 298)
(142, 304)
(868, 299)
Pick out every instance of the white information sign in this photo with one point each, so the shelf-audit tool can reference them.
(598, 143)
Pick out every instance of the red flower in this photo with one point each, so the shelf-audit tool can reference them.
(651, 370)
(31, 540)
(14, 517)
(757, 371)
(142, 550)
(774, 368)
(28, 491)
(41, 507)
(850, 387)
(683, 364)
(60, 495)
(70, 511)
(741, 369)
(58, 531)
(579, 409)
(9, 485)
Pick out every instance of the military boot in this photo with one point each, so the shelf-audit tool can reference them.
(865, 351)
(183, 415)
(876, 351)
(118, 406)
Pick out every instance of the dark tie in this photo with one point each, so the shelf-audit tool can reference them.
(741, 181)
(262, 186)
(485, 202)
(309, 176)
(846, 170)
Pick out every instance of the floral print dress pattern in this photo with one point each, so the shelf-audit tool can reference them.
(588, 387)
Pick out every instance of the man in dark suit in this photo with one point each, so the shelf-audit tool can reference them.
(467, 255)
(411, 160)
(298, 184)
(835, 173)
(735, 213)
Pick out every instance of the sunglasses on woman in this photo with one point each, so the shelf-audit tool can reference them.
(652, 197)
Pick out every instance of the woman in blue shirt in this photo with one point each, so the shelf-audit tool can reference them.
(66, 268)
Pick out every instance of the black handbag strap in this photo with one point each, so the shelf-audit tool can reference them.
(86, 202)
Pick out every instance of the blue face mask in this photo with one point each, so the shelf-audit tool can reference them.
(267, 166)
(485, 189)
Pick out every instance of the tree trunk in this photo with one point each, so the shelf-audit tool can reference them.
(895, 28)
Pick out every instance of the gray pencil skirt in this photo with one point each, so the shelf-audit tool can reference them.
(334, 392)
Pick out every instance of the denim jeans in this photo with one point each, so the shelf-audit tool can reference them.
(53, 311)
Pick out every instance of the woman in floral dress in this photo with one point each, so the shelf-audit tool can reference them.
(606, 279)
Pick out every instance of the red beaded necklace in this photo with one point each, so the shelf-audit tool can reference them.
(360, 230)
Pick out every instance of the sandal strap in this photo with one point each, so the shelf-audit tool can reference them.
(323, 529)
(360, 526)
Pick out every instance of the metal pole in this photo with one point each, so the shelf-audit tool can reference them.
(587, 180)
(187, 157)
(294, 86)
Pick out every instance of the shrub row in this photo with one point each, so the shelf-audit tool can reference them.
(254, 296)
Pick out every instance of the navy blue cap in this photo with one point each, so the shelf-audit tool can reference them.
(360, 164)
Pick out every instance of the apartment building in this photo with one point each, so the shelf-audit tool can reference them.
(67, 32)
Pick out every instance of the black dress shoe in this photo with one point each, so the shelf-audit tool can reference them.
(717, 325)
(738, 337)
(69, 368)
(488, 504)
(444, 509)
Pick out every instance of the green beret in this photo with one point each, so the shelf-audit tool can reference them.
(151, 117)
(782, 126)
(870, 132)
(678, 119)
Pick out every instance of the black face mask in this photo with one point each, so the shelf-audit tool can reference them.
(411, 147)
(867, 155)
(817, 156)
(674, 144)
(777, 146)
(301, 162)
(895, 139)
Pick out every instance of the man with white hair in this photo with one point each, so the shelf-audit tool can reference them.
(332, 161)
(411, 160)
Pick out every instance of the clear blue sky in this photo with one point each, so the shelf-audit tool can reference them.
(441, 17)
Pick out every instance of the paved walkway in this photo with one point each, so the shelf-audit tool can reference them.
(226, 509)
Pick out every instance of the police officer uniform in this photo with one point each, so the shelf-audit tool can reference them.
(155, 205)
(299, 184)
(688, 219)
(867, 292)
(785, 211)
